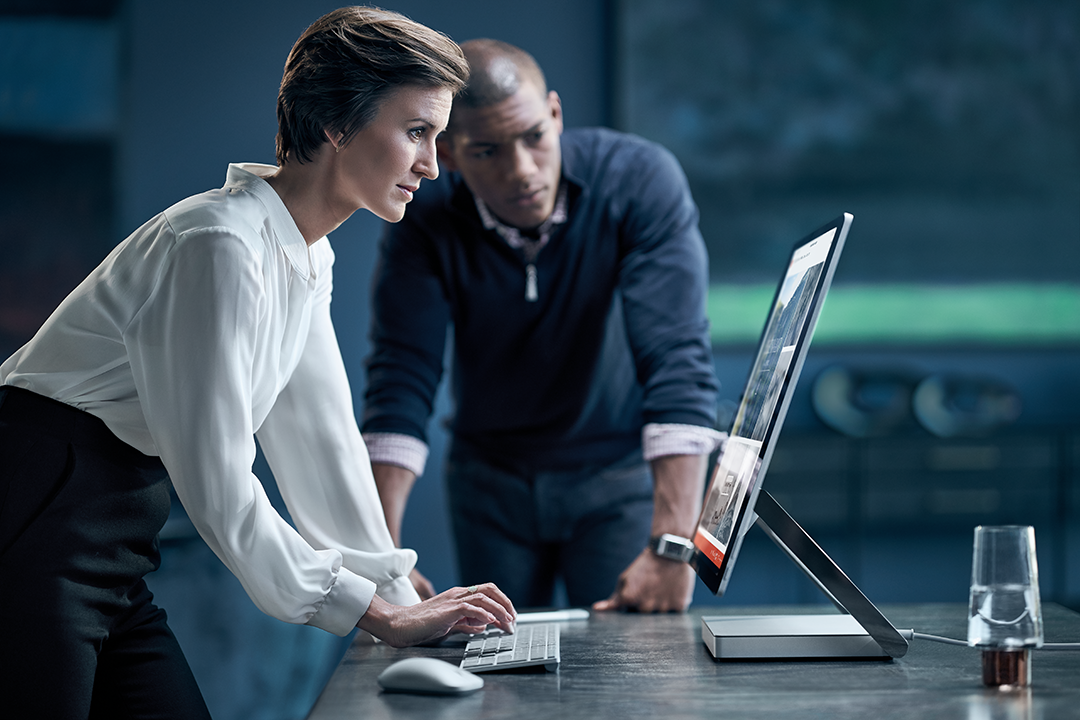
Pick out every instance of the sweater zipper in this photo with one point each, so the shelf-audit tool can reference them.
(531, 250)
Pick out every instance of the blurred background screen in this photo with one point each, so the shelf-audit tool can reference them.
(949, 130)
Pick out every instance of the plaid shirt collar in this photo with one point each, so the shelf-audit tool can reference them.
(513, 236)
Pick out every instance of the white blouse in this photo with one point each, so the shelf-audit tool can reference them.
(208, 325)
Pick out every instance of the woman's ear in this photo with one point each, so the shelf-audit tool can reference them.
(334, 140)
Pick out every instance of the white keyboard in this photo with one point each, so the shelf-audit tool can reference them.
(532, 644)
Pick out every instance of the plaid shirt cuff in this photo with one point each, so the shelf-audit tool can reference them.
(397, 449)
(663, 439)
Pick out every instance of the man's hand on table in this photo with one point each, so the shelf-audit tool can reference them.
(652, 584)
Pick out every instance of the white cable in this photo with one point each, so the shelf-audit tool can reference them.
(938, 638)
(951, 641)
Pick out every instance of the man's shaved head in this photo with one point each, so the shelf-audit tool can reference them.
(497, 71)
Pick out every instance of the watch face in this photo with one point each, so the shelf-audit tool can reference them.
(672, 547)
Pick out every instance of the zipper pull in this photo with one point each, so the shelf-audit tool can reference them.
(530, 283)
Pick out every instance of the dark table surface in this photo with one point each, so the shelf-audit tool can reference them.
(618, 665)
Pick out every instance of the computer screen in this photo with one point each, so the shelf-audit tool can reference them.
(727, 513)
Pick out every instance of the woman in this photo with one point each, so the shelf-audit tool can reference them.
(209, 324)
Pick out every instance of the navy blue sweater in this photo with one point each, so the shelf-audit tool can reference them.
(617, 338)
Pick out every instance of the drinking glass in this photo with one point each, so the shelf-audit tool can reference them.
(1005, 620)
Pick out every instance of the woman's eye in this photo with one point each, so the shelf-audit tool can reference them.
(416, 133)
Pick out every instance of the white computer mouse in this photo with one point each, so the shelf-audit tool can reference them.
(428, 676)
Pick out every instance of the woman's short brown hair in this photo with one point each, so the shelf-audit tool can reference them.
(343, 67)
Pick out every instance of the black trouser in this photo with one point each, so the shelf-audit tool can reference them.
(79, 516)
(522, 530)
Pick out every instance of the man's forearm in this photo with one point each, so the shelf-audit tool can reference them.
(677, 494)
(394, 484)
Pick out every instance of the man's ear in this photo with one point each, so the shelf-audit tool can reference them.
(555, 108)
(444, 147)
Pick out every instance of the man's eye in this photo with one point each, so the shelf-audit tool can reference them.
(485, 153)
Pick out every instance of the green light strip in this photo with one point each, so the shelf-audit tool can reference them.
(1007, 314)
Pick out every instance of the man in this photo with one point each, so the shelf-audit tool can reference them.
(573, 273)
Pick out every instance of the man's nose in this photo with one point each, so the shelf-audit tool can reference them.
(522, 165)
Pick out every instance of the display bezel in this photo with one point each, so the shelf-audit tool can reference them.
(713, 560)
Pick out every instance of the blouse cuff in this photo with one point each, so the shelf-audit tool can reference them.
(399, 591)
(345, 604)
(397, 449)
(663, 439)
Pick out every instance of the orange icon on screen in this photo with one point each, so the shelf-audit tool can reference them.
(707, 546)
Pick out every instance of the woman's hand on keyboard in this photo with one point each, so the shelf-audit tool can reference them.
(459, 609)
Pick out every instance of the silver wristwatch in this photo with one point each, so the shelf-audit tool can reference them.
(672, 547)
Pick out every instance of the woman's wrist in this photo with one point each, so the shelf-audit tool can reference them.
(378, 619)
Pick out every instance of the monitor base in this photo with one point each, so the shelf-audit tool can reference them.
(776, 637)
